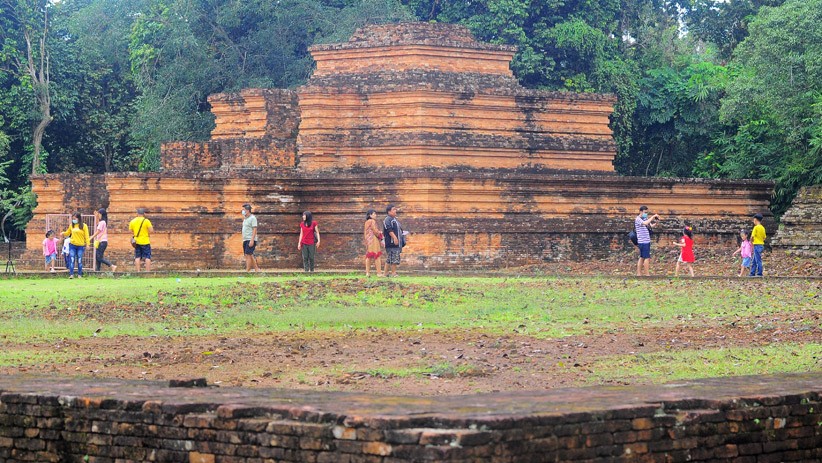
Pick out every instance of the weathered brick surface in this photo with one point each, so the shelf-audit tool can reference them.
(256, 130)
(801, 228)
(564, 217)
(55, 420)
(430, 95)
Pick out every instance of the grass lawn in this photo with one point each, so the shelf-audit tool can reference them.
(37, 311)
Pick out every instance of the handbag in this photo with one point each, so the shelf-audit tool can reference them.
(134, 238)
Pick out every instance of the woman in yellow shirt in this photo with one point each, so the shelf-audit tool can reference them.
(79, 239)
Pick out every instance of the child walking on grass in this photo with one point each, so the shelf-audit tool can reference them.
(745, 251)
(686, 256)
(50, 250)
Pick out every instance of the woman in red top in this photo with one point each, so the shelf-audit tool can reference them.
(309, 240)
(686, 256)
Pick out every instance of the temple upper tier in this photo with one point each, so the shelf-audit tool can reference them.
(413, 95)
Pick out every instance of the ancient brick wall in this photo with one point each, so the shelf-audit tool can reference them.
(458, 220)
(255, 129)
(737, 419)
(255, 113)
(801, 229)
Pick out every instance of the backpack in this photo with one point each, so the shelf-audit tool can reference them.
(632, 237)
(386, 229)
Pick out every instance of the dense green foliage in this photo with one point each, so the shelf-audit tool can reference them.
(706, 88)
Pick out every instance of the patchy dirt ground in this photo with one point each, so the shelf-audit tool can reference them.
(452, 362)
(710, 261)
(428, 362)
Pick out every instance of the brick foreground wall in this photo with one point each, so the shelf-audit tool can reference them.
(741, 419)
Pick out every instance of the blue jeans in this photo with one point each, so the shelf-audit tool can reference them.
(76, 256)
(756, 267)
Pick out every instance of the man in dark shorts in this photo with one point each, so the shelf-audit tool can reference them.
(394, 240)
(642, 223)
(249, 238)
(141, 228)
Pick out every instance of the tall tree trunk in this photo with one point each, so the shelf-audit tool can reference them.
(40, 80)
(108, 155)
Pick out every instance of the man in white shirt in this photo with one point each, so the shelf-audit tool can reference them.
(249, 238)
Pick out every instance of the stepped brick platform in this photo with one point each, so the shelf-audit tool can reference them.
(739, 419)
(801, 229)
(419, 95)
(488, 174)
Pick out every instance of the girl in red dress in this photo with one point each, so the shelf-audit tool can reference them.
(687, 255)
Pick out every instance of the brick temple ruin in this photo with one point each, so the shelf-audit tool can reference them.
(800, 232)
(488, 174)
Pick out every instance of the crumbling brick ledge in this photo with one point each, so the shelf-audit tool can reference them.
(740, 419)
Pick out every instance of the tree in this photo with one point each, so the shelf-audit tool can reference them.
(95, 91)
(10, 197)
(25, 35)
(723, 23)
(773, 99)
(676, 118)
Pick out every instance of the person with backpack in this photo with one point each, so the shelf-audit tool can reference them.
(394, 240)
(642, 226)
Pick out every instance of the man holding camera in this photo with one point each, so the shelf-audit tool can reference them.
(642, 225)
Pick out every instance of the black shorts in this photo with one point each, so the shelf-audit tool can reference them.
(248, 248)
(142, 251)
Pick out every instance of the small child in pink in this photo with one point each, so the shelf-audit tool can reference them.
(745, 251)
(50, 250)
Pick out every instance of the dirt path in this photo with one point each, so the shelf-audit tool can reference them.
(447, 362)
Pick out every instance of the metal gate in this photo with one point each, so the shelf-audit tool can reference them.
(60, 223)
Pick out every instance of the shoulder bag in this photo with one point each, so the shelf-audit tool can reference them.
(134, 238)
